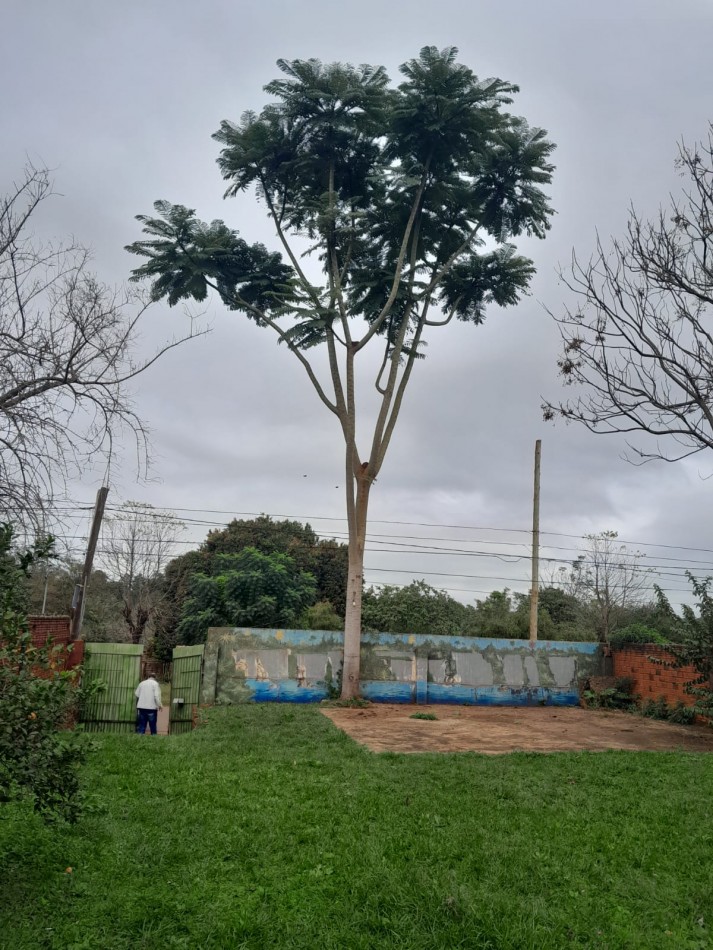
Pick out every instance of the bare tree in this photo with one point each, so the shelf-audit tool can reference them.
(66, 357)
(608, 579)
(137, 542)
(640, 341)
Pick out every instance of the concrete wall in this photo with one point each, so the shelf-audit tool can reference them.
(249, 665)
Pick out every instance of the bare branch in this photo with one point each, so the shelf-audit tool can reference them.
(66, 356)
(640, 341)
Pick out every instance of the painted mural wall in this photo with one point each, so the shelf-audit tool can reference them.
(304, 666)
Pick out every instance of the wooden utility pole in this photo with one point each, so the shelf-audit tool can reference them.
(81, 591)
(535, 590)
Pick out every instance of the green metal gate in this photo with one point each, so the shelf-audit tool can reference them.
(185, 687)
(118, 667)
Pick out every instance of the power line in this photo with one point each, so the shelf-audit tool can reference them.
(79, 506)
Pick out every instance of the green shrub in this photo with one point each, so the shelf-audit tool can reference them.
(422, 715)
(680, 713)
(659, 709)
(617, 696)
(655, 708)
(636, 633)
(39, 756)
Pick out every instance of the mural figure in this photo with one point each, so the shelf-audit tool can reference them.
(241, 664)
(301, 673)
(450, 671)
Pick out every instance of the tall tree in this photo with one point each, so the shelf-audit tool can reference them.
(408, 198)
(639, 341)
(324, 558)
(66, 357)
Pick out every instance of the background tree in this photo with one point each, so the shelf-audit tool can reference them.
(66, 356)
(249, 589)
(137, 542)
(50, 589)
(610, 582)
(324, 559)
(321, 616)
(639, 341)
(415, 608)
(408, 199)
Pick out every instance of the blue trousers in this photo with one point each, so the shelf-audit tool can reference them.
(145, 716)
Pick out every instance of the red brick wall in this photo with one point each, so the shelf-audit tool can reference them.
(651, 680)
(58, 629)
(43, 627)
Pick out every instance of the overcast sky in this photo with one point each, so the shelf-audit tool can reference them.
(121, 99)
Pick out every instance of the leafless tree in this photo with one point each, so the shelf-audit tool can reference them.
(608, 579)
(640, 341)
(137, 542)
(66, 357)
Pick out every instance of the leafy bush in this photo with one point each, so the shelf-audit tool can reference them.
(39, 757)
(659, 709)
(618, 695)
(655, 708)
(636, 633)
(422, 715)
(249, 589)
(321, 616)
(682, 714)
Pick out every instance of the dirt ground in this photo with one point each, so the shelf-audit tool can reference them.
(493, 730)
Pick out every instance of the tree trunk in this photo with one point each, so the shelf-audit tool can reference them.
(352, 619)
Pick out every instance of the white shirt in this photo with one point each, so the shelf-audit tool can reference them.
(148, 695)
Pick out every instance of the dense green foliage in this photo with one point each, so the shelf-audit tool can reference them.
(325, 560)
(416, 608)
(268, 828)
(249, 589)
(39, 757)
(344, 160)
(636, 633)
(321, 616)
(692, 634)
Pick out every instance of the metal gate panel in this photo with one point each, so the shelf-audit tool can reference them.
(118, 667)
(185, 687)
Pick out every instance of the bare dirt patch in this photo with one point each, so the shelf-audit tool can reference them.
(388, 728)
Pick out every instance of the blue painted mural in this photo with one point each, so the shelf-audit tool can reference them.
(304, 666)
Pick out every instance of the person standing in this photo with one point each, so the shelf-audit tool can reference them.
(148, 703)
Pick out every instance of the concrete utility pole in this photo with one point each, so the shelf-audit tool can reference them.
(80, 592)
(535, 590)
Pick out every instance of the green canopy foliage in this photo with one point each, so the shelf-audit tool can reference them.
(249, 589)
(324, 559)
(348, 162)
(692, 634)
(416, 608)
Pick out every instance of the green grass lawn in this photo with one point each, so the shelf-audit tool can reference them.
(270, 828)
